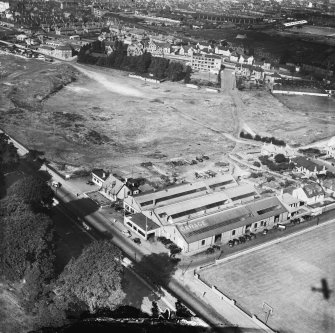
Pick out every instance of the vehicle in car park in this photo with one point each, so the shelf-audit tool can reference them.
(265, 231)
(247, 237)
(126, 233)
(242, 239)
(231, 243)
(137, 241)
(210, 250)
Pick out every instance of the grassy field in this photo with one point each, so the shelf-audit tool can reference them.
(283, 276)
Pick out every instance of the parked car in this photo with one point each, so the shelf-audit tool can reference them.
(137, 241)
(236, 241)
(126, 233)
(231, 243)
(265, 231)
(56, 184)
(216, 247)
(242, 239)
(252, 235)
(210, 250)
(247, 237)
(86, 226)
(89, 182)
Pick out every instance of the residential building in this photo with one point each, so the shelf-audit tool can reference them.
(186, 50)
(99, 176)
(307, 167)
(63, 51)
(223, 51)
(295, 206)
(310, 193)
(204, 62)
(135, 49)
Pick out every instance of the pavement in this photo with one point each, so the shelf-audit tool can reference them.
(179, 283)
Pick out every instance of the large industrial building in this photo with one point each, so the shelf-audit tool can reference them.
(195, 216)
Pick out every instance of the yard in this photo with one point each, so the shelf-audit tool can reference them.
(284, 275)
(98, 198)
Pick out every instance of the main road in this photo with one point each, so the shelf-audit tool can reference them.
(87, 210)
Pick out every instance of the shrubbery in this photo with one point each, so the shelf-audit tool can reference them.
(276, 166)
(265, 139)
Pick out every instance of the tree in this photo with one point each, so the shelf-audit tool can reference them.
(9, 157)
(188, 72)
(155, 310)
(94, 277)
(182, 311)
(32, 190)
(280, 158)
(27, 241)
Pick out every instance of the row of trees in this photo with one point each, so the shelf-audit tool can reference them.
(265, 139)
(160, 68)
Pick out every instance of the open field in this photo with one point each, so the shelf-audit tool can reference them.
(283, 276)
(314, 30)
(103, 118)
(295, 119)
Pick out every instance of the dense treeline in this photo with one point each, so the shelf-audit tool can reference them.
(265, 139)
(160, 68)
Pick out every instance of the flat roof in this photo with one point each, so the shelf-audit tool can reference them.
(143, 222)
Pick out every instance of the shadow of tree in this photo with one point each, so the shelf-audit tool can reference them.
(80, 207)
(156, 267)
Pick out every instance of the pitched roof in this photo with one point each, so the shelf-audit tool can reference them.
(101, 173)
(313, 190)
(231, 219)
(301, 161)
(143, 222)
(113, 184)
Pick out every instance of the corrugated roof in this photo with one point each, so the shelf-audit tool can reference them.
(231, 219)
(165, 197)
(241, 192)
(183, 209)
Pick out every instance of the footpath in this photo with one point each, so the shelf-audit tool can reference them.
(183, 283)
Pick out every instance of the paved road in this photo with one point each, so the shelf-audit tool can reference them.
(88, 211)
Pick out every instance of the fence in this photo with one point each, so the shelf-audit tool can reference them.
(224, 298)
(146, 79)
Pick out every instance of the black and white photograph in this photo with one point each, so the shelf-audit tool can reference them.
(167, 166)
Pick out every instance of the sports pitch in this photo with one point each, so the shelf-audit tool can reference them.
(283, 275)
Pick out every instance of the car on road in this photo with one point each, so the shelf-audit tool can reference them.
(56, 184)
(126, 233)
(137, 241)
(86, 226)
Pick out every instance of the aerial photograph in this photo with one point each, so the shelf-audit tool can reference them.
(167, 166)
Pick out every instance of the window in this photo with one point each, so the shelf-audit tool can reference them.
(203, 242)
(130, 225)
(255, 225)
(233, 232)
(141, 233)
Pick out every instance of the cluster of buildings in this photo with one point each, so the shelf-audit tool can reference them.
(213, 211)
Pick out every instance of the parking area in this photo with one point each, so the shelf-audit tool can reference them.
(288, 277)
